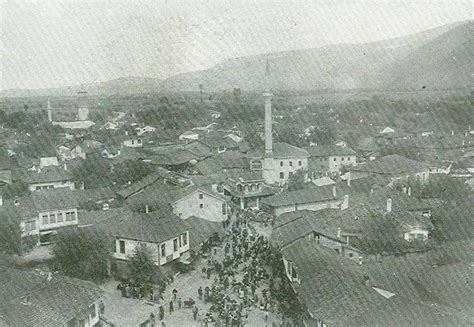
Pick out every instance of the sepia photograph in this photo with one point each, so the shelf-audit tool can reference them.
(236, 163)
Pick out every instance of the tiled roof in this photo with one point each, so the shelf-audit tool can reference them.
(52, 302)
(93, 194)
(140, 185)
(6, 176)
(329, 150)
(202, 229)
(47, 174)
(54, 199)
(307, 195)
(333, 290)
(171, 155)
(281, 151)
(157, 226)
(391, 165)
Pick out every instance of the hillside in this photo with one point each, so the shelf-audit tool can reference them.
(438, 58)
(444, 62)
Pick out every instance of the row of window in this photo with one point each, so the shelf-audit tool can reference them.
(178, 242)
(44, 187)
(290, 163)
(57, 217)
(334, 159)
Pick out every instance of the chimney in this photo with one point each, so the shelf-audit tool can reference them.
(65, 166)
(334, 192)
(268, 114)
(147, 209)
(389, 205)
(371, 190)
(338, 232)
(82, 185)
(1, 200)
(409, 191)
(50, 113)
(349, 179)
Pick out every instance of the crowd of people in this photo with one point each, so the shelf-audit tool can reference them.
(242, 269)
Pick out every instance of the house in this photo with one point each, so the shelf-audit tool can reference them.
(43, 213)
(395, 167)
(172, 157)
(162, 232)
(333, 291)
(229, 160)
(110, 152)
(387, 130)
(189, 136)
(219, 143)
(214, 114)
(145, 129)
(277, 167)
(185, 201)
(48, 161)
(203, 230)
(109, 126)
(292, 226)
(48, 178)
(330, 158)
(323, 181)
(31, 298)
(305, 199)
(95, 197)
(133, 141)
(247, 188)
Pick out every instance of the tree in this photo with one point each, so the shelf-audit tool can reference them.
(297, 180)
(142, 270)
(382, 235)
(82, 253)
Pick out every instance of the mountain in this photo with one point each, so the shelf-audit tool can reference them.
(439, 58)
(122, 86)
(445, 62)
(342, 66)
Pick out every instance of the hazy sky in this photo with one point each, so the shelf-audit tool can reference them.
(57, 43)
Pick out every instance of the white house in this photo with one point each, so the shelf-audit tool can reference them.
(48, 178)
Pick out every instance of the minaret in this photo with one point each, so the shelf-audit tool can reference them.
(268, 169)
(82, 110)
(268, 114)
(50, 113)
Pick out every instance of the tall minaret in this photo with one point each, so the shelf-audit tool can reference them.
(268, 113)
(50, 113)
(268, 169)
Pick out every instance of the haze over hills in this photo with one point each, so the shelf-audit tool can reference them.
(439, 58)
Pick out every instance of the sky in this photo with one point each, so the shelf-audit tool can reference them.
(59, 43)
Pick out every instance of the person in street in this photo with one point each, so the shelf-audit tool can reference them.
(200, 293)
(161, 313)
(195, 312)
(102, 307)
(179, 303)
(171, 307)
(175, 294)
(208, 272)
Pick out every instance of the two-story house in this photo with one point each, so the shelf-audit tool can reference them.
(44, 212)
(247, 188)
(330, 158)
(48, 178)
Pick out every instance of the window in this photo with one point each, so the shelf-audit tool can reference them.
(281, 163)
(282, 175)
(335, 159)
(291, 163)
(240, 188)
(351, 255)
(38, 188)
(224, 208)
(60, 217)
(139, 141)
(300, 163)
(342, 159)
(133, 141)
(92, 312)
(52, 218)
(175, 245)
(201, 196)
(201, 206)
(70, 216)
(45, 219)
(122, 246)
(185, 239)
(348, 158)
(163, 250)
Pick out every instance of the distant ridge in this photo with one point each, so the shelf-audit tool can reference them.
(439, 58)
